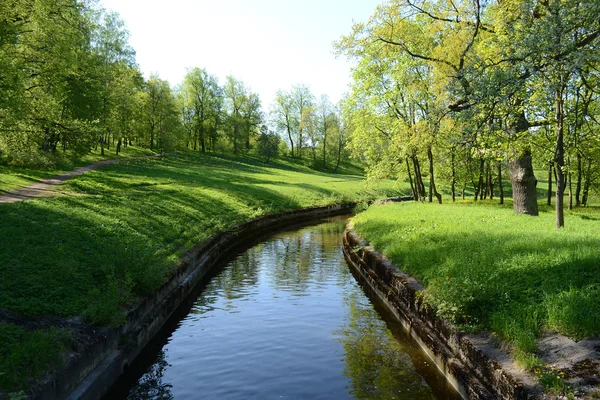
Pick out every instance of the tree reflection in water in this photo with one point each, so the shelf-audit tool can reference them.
(377, 364)
(150, 385)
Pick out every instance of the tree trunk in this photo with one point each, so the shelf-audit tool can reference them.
(453, 176)
(550, 169)
(410, 179)
(579, 179)
(289, 132)
(479, 190)
(500, 185)
(432, 188)
(559, 158)
(523, 185)
(419, 179)
(587, 184)
(490, 180)
(570, 183)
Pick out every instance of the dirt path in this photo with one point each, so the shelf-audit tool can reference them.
(44, 188)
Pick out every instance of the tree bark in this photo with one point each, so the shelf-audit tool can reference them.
(410, 179)
(550, 169)
(479, 190)
(579, 180)
(500, 186)
(523, 185)
(432, 189)
(559, 157)
(587, 183)
(419, 179)
(570, 184)
(453, 176)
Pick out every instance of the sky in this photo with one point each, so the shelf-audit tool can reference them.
(268, 44)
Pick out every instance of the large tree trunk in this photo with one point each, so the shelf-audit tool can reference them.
(523, 185)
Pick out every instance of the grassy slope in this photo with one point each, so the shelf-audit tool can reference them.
(487, 268)
(12, 178)
(124, 227)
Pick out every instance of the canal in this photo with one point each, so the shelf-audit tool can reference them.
(285, 319)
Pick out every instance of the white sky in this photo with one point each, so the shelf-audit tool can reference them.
(268, 44)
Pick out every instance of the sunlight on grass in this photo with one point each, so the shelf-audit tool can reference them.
(487, 268)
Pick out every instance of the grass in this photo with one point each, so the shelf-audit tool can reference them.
(121, 232)
(12, 178)
(36, 349)
(486, 268)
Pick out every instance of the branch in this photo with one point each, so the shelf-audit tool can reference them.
(419, 56)
(453, 21)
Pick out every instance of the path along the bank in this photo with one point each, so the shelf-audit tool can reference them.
(45, 187)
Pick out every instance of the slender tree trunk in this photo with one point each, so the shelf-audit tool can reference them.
(523, 185)
(325, 146)
(419, 179)
(550, 170)
(432, 189)
(559, 157)
(339, 155)
(579, 179)
(570, 183)
(289, 132)
(453, 184)
(490, 180)
(410, 179)
(500, 185)
(587, 184)
(479, 190)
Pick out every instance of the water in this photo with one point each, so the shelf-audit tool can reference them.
(284, 320)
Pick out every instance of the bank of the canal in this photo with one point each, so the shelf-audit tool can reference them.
(119, 237)
(283, 319)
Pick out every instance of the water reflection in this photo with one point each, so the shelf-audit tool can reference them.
(285, 319)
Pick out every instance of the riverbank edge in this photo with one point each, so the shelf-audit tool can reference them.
(473, 373)
(90, 373)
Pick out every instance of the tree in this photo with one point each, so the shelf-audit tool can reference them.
(201, 104)
(283, 116)
(268, 144)
(302, 99)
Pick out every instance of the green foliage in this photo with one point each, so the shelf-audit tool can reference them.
(26, 355)
(486, 268)
(268, 145)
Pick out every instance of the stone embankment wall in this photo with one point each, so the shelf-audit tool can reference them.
(97, 365)
(467, 366)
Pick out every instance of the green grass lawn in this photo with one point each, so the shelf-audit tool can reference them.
(486, 268)
(12, 178)
(124, 227)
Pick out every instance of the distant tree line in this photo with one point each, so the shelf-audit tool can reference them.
(457, 92)
(70, 84)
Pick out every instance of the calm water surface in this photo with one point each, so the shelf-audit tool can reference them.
(284, 320)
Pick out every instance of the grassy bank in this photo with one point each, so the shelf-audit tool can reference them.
(486, 268)
(123, 227)
(12, 178)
